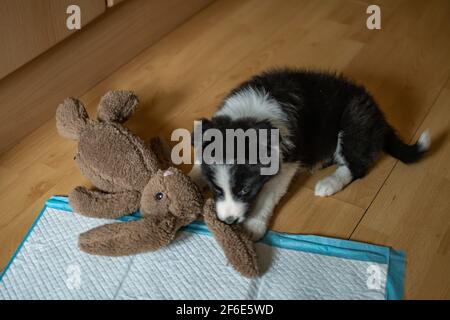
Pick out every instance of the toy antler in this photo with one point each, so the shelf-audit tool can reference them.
(235, 242)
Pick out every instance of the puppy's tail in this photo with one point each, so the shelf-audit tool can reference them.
(406, 153)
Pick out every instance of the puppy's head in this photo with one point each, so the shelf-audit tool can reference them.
(235, 188)
(235, 185)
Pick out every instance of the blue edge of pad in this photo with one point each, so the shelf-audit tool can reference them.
(346, 249)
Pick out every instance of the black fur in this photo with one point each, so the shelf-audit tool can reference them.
(222, 123)
(245, 185)
(319, 106)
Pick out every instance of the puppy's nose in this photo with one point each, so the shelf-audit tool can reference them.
(230, 220)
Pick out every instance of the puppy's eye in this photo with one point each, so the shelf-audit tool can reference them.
(159, 196)
(244, 191)
(218, 191)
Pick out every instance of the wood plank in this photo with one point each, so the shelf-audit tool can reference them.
(31, 27)
(301, 212)
(29, 95)
(412, 212)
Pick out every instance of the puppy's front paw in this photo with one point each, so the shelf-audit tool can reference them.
(327, 187)
(257, 228)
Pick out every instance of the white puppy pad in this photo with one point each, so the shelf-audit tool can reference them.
(49, 265)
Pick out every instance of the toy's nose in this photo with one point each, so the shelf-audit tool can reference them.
(230, 220)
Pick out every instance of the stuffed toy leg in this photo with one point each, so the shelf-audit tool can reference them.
(235, 242)
(132, 237)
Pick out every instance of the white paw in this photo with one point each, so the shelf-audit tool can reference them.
(256, 228)
(327, 187)
(424, 141)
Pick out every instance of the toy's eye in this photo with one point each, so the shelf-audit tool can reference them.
(159, 196)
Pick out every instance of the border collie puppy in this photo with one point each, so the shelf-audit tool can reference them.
(322, 118)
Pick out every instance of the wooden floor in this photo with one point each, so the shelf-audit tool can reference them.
(184, 76)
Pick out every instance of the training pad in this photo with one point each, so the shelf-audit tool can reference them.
(49, 265)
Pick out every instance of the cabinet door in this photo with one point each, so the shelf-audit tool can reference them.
(29, 27)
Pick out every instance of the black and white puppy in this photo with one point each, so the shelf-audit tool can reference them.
(322, 118)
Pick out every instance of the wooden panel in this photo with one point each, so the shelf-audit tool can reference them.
(412, 211)
(31, 27)
(29, 96)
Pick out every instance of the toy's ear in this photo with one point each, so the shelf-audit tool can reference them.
(71, 117)
(235, 242)
(161, 150)
(117, 106)
(127, 238)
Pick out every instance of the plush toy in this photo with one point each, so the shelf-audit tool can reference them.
(130, 176)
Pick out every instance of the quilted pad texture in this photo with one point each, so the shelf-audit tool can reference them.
(50, 266)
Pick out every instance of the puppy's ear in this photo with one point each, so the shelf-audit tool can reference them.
(266, 141)
(264, 124)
